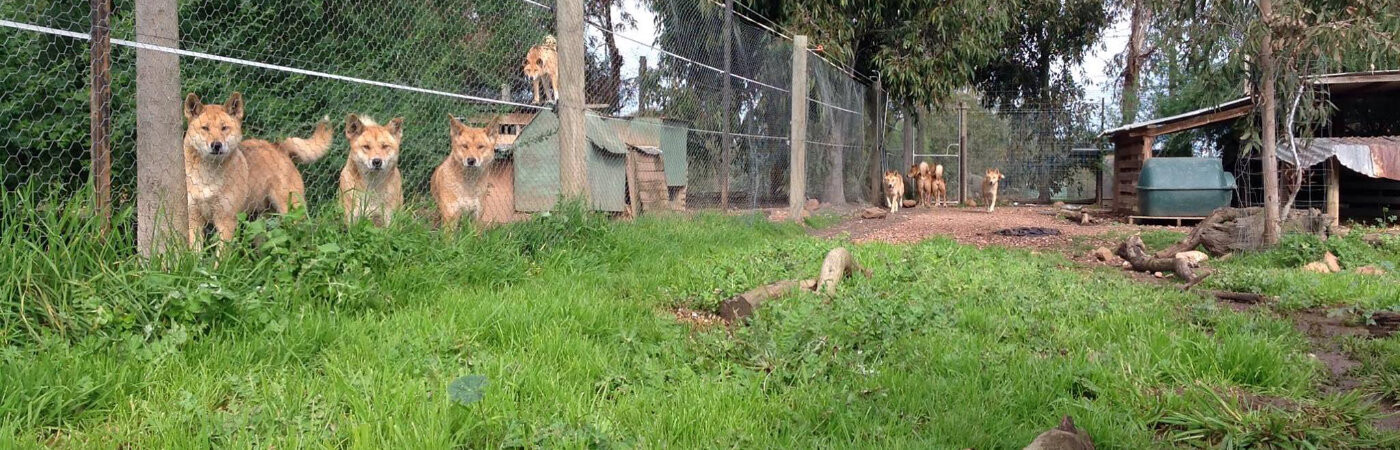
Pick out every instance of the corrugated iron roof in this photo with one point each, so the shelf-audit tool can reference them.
(1337, 83)
(1376, 157)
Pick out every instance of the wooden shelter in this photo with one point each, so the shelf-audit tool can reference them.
(1358, 146)
(499, 204)
(656, 163)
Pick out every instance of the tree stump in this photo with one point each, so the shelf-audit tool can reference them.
(1228, 230)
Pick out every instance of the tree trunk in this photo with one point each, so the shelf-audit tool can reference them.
(1136, 55)
(909, 126)
(1227, 230)
(1269, 133)
(611, 89)
(873, 138)
(835, 190)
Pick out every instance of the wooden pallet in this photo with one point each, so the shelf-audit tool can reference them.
(1180, 220)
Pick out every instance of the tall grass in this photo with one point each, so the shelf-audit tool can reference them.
(61, 279)
(321, 336)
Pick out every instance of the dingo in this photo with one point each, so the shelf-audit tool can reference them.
(227, 175)
(543, 61)
(371, 184)
(989, 188)
(459, 183)
(894, 190)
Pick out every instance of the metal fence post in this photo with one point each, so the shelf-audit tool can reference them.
(727, 115)
(161, 220)
(962, 152)
(573, 141)
(797, 189)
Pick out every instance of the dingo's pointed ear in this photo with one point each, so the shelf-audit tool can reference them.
(353, 126)
(454, 126)
(234, 105)
(192, 106)
(395, 128)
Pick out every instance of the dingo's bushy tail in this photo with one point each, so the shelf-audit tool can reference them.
(938, 172)
(305, 150)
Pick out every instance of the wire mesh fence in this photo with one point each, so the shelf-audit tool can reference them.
(434, 106)
(1045, 153)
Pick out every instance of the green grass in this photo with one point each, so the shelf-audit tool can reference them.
(1153, 238)
(1278, 273)
(309, 335)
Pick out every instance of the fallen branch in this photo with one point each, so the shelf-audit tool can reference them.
(743, 305)
(1080, 217)
(838, 265)
(1241, 297)
(1135, 253)
(1383, 323)
(1192, 283)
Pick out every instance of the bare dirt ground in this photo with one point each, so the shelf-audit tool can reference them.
(973, 226)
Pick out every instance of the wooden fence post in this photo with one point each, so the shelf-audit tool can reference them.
(727, 113)
(100, 110)
(1334, 191)
(910, 124)
(573, 140)
(797, 173)
(962, 153)
(161, 221)
(641, 85)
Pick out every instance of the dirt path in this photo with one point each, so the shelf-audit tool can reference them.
(973, 226)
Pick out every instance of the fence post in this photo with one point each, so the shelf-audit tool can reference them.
(1334, 191)
(505, 92)
(1098, 156)
(641, 85)
(727, 105)
(573, 141)
(910, 123)
(962, 152)
(797, 173)
(100, 110)
(161, 221)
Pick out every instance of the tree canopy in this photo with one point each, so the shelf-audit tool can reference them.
(924, 50)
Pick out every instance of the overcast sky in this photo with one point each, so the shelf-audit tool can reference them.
(1097, 83)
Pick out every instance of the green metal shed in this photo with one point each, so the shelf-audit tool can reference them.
(536, 154)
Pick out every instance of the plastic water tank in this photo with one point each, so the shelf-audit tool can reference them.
(1183, 187)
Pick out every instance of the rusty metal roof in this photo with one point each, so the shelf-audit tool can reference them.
(1376, 157)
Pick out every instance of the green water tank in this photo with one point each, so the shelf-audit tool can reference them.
(1183, 187)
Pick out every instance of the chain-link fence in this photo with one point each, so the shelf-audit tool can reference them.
(1045, 153)
(433, 106)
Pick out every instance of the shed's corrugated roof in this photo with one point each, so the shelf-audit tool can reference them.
(1183, 116)
(1336, 82)
(1376, 157)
